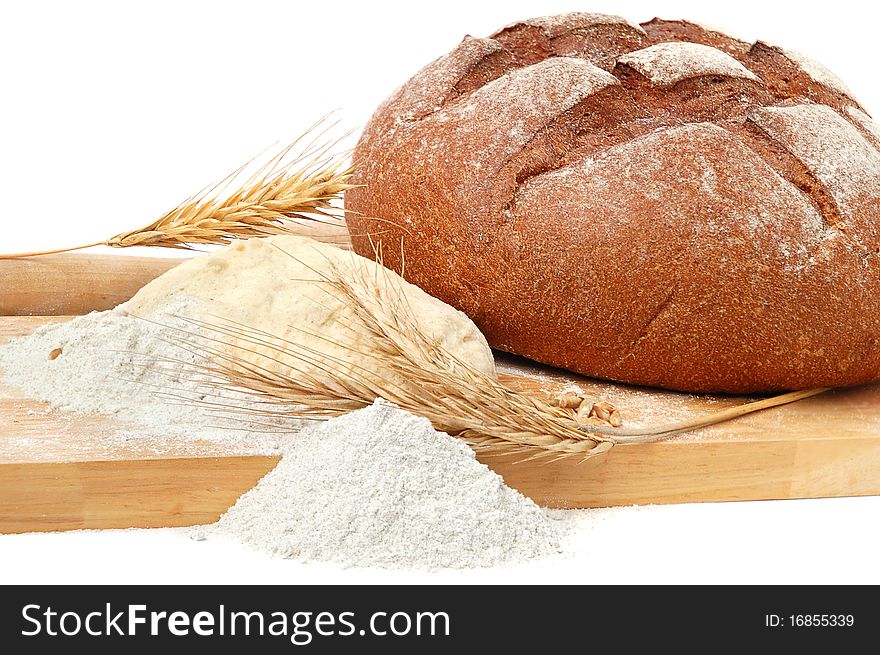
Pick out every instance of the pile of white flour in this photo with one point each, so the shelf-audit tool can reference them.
(381, 487)
(132, 368)
(377, 487)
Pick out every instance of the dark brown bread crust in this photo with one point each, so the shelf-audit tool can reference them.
(698, 217)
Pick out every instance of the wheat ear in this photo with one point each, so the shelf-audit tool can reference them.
(454, 396)
(291, 191)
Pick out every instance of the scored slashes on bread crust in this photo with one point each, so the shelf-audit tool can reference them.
(658, 204)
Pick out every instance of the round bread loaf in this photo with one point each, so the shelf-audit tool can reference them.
(660, 204)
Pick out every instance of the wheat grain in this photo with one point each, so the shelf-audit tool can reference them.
(292, 191)
(426, 380)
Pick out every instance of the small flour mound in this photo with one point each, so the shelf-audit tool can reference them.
(132, 368)
(101, 360)
(380, 487)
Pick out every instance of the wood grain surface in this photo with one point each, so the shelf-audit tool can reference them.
(61, 472)
(73, 284)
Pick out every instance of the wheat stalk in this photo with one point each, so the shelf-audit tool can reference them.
(287, 194)
(425, 379)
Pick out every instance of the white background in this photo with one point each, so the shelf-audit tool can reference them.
(112, 113)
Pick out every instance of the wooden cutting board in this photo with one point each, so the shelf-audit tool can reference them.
(60, 472)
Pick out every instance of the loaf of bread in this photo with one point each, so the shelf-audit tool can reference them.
(660, 204)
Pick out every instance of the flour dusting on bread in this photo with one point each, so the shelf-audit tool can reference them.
(668, 63)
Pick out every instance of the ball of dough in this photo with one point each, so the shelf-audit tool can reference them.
(279, 286)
